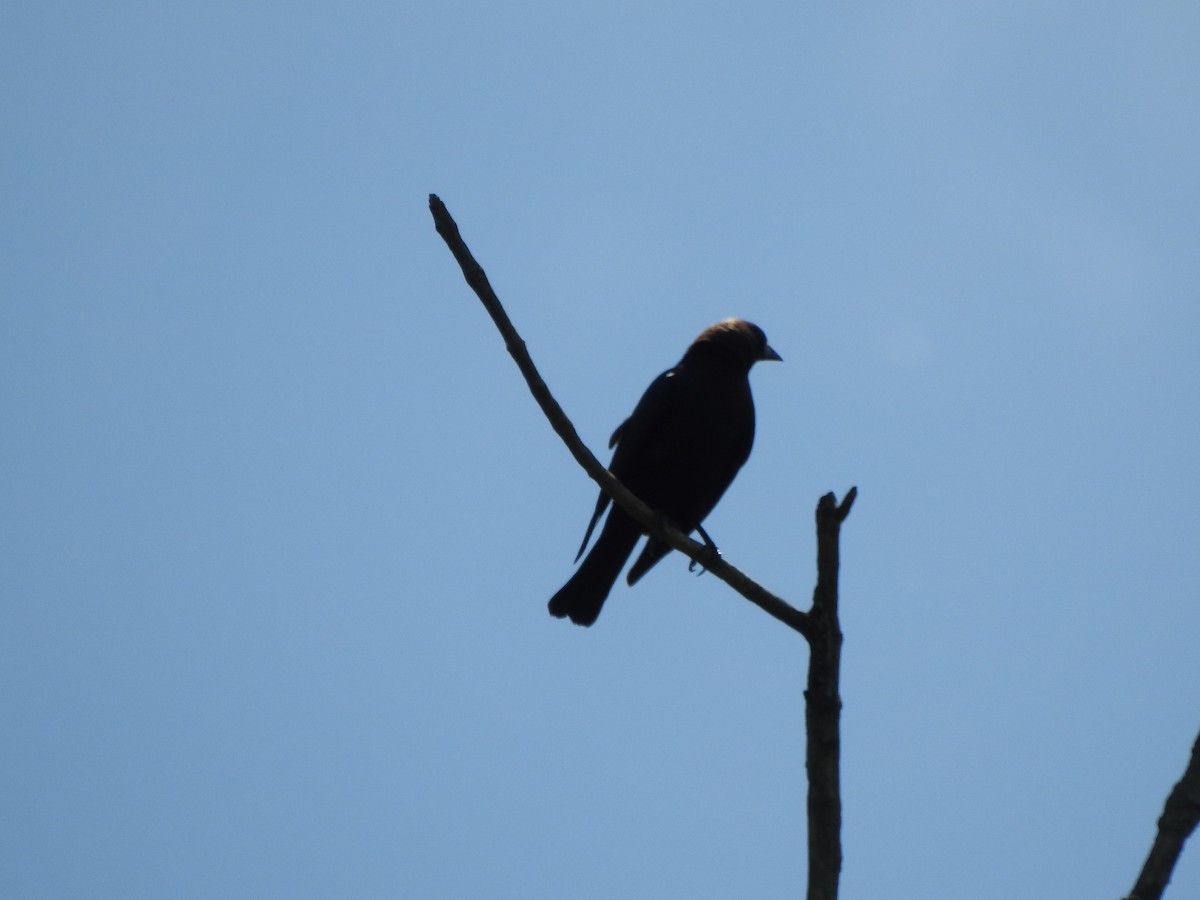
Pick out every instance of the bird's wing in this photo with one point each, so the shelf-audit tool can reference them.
(616, 435)
(652, 410)
(631, 435)
(601, 505)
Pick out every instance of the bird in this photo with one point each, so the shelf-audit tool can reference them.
(677, 452)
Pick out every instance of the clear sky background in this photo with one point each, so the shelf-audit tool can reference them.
(279, 518)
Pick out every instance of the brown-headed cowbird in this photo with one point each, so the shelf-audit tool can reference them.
(677, 452)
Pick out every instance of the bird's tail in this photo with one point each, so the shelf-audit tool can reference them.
(581, 598)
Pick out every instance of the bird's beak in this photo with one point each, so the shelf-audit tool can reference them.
(769, 354)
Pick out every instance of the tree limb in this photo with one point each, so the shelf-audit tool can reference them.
(823, 707)
(1180, 815)
(740, 582)
(819, 626)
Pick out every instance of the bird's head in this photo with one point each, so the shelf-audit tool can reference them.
(736, 338)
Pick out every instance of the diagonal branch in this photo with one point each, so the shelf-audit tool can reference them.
(740, 582)
(1181, 814)
(819, 626)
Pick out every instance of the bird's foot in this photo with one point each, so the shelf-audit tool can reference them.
(712, 553)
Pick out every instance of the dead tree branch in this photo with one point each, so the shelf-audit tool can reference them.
(819, 626)
(823, 707)
(740, 582)
(1180, 815)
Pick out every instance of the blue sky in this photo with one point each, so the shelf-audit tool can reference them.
(280, 518)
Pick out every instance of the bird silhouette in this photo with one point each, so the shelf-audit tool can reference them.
(677, 452)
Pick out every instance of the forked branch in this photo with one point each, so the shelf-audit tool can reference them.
(819, 626)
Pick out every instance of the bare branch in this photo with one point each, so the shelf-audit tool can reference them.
(819, 626)
(823, 707)
(644, 516)
(1180, 815)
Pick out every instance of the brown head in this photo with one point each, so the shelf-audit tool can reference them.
(737, 339)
